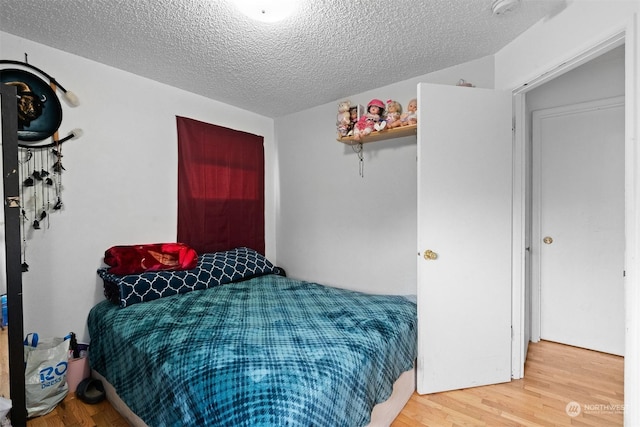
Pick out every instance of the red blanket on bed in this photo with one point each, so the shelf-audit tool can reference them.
(136, 259)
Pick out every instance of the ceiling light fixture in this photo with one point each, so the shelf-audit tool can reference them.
(266, 10)
(500, 7)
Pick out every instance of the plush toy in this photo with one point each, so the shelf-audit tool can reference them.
(393, 112)
(343, 121)
(370, 121)
(410, 117)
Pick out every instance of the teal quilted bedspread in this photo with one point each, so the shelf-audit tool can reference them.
(269, 351)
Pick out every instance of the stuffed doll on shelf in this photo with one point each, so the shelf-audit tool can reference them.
(392, 115)
(410, 117)
(343, 121)
(355, 111)
(370, 121)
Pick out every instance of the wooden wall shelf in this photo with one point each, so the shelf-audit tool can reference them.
(410, 130)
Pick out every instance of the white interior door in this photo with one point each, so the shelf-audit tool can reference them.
(579, 234)
(464, 218)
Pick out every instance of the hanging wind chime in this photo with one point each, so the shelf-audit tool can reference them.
(359, 150)
(39, 146)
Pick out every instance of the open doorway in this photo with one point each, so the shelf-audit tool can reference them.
(576, 200)
(566, 83)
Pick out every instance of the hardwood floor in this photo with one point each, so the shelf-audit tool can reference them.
(72, 412)
(555, 376)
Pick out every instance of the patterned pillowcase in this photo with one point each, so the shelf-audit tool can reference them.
(212, 269)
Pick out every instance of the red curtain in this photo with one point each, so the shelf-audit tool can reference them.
(220, 187)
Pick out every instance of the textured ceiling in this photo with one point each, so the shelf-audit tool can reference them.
(326, 50)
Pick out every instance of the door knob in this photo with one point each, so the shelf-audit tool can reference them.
(430, 255)
(548, 240)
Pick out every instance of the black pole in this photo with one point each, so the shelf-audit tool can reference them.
(8, 95)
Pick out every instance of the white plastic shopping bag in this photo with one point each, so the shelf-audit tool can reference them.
(5, 407)
(45, 373)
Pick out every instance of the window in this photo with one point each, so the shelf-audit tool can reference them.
(220, 187)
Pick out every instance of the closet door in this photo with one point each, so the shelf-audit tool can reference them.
(464, 237)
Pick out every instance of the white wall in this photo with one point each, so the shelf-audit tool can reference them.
(602, 77)
(338, 228)
(120, 181)
(554, 41)
(561, 39)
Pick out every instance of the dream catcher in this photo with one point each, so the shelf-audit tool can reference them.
(39, 146)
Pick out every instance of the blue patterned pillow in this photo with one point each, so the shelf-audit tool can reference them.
(212, 269)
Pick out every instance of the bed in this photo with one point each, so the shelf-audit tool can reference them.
(253, 349)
